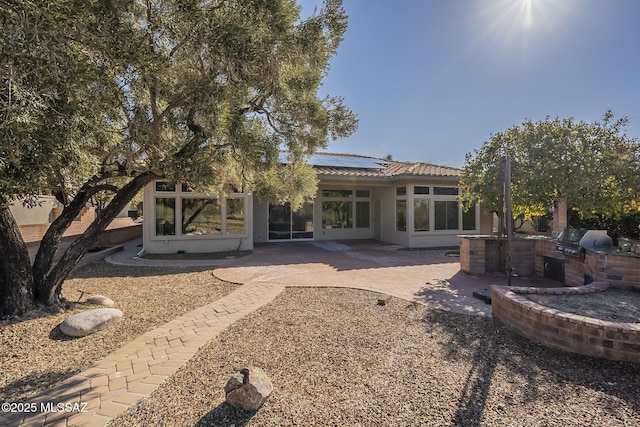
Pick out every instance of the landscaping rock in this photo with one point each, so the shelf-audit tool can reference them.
(89, 322)
(100, 300)
(248, 389)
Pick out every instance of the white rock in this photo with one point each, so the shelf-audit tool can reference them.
(248, 389)
(100, 300)
(90, 321)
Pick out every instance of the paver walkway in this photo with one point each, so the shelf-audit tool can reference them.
(134, 371)
(137, 369)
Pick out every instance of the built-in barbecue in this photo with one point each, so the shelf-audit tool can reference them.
(574, 241)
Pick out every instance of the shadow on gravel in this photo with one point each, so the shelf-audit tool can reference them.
(224, 415)
(27, 384)
(104, 269)
(57, 335)
(550, 375)
(464, 338)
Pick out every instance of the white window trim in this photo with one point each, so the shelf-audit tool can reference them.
(432, 214)
(353, 199)
(178, 195)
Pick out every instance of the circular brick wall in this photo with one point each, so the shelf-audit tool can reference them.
(566, 331)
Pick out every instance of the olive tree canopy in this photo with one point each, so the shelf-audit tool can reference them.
(103, 97)
(594, 166)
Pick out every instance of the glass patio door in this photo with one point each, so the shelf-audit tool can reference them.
(285, 224)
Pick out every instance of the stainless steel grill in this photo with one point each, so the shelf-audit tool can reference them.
(575, 241)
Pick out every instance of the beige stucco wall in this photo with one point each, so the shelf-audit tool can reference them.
(260, 221)
(39, 214)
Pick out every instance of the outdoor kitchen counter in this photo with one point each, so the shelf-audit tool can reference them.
(483, 254)
(532, 255)
(495, 237)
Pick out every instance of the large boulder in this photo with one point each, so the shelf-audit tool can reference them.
(90, 321)
(248, 389)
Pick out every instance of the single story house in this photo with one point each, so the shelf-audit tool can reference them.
(413, 205)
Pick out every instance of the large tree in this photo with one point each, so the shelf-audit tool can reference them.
(103, 97)
(594, 166)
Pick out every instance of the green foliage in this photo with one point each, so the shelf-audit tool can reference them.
(50, 124)
(100, 98)
(595, 166)
(295, 182)
(202, 92)
(627, 225)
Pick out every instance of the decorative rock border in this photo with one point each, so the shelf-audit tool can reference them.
(566, 331)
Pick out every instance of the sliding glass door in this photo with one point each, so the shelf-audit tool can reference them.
(285, 224)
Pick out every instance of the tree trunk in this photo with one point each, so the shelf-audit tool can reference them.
(51, 239)
(50, 285)
(16, 280)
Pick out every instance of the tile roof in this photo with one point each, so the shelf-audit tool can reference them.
(391, 169)
(420, 169)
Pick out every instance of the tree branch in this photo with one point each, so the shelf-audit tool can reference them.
(176, 103)
(50, 284)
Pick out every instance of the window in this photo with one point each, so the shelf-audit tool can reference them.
(445, 191)
(401, 191)
(165, 216)
(279, 221)
(339, 208)
(235, 216)
(186, 213)
(469, 219)
(302, 222)
(446, 215)
(337, 193)
(337, 214)
(420, 190)
(165, 186)
(401, 215)
(421, 215)
(285, 224)
(362, 214)
(201, 216)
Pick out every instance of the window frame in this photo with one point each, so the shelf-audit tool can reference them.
(178, 195)
(427, 202)
(431, 199)
(352, 196)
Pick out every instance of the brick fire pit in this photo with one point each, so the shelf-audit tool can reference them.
(566, 331)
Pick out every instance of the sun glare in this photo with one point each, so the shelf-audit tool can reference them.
(527, 13)
(509, 24)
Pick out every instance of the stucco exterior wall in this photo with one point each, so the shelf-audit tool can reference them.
(260, 221)
(389, 232)
(40, 214)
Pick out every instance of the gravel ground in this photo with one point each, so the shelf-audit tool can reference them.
(334, 356)
(35, 355)
(338, 359)
(614, 305)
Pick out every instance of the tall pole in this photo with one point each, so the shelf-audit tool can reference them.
(508, 217)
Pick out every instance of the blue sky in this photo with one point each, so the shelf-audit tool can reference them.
(432, 80)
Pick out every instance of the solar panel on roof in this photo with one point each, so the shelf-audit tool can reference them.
(341, 161)
(346, 161)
